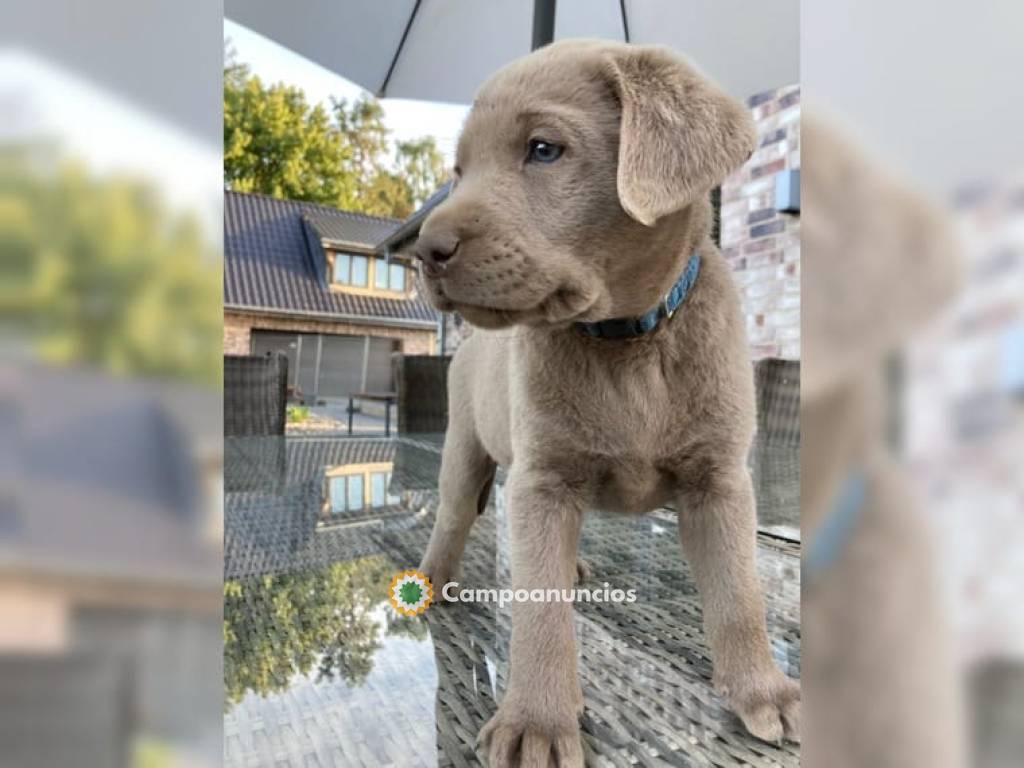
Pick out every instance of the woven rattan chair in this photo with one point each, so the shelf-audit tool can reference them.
(65, 710)
(778, 401)
(775, 459)
(255, 394)
(422, 393)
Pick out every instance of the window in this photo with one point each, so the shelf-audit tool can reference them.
(362, 489)
(355, 270)
(360, 267)
(396, 277)
(337, 494)
(378, 489)
(388, 277)
(392, 498)
(380, 274)
(341, 267)
(350, 269)
(355, 492)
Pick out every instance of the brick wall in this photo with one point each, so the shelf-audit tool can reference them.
(964, 427)
(237, 334)
(238, 327)
(761, 244)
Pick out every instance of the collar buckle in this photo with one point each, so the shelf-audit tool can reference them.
(667, 310)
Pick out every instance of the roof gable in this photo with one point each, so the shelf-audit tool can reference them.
(273, 259)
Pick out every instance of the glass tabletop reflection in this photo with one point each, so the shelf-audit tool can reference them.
(320, 670)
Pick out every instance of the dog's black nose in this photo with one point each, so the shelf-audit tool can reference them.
(436, 249)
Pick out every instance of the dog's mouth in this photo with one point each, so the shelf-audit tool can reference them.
(561, 306)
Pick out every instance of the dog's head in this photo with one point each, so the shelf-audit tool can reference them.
(573, 171)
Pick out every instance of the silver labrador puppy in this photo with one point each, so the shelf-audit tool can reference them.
(583, 174)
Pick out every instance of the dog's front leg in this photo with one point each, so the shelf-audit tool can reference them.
(537, 723)
(718, 529)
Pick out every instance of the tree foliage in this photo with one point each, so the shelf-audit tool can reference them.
(278, 144)
(100, 273)
(322, 620)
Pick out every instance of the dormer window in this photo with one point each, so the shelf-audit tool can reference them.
(388, 277)
(367, 275)
(351, 269)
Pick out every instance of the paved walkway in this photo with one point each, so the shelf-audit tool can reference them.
(332, 420)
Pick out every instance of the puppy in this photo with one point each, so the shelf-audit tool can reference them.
(581, 195)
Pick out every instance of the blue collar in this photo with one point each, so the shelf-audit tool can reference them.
(631, 327)
(834, 533)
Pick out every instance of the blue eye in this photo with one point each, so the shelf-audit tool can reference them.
(544, 151)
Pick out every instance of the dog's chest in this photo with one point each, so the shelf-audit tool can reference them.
(636, 411)
(632, 486)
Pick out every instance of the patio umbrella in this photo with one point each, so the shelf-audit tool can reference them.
(442, 50)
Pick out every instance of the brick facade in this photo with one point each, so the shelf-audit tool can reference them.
(964, 427)
(238, 327)
(237, 334)
(761, 244)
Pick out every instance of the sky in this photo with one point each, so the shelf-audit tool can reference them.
(43, 102)
(406, 118)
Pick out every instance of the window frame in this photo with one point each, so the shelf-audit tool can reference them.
(383, 276)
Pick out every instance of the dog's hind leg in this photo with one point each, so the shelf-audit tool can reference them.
(467, 473)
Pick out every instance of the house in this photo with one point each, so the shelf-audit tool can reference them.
(111, 568)
(324, 287)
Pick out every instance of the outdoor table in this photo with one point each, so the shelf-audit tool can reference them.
(388, 398)
(320, 670)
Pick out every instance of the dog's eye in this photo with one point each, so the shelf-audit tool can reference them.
(544, 151)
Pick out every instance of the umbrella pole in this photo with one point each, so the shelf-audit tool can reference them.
(543, 22)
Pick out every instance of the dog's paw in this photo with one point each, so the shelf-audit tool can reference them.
(439, 573)
(768, 704)
(516, 737)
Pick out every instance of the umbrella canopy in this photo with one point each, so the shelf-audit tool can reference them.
(442, 50)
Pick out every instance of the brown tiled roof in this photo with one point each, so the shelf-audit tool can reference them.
(273, 259)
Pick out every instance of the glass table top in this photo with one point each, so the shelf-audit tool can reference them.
(320, 670)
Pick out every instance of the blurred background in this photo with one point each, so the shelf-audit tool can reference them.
(110, 333)
(913, 257)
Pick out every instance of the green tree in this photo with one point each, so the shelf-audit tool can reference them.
(99, 272)
(278, 144)
(365, 134)
(422, 166)
(288, 624)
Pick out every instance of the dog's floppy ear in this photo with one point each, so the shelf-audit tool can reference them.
(680, 134)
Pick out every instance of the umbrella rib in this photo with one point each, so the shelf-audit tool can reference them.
(398, 50)
(625, 21)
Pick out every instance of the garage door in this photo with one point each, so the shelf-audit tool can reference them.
(341, 365)
(347, 363)
(379, 365)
